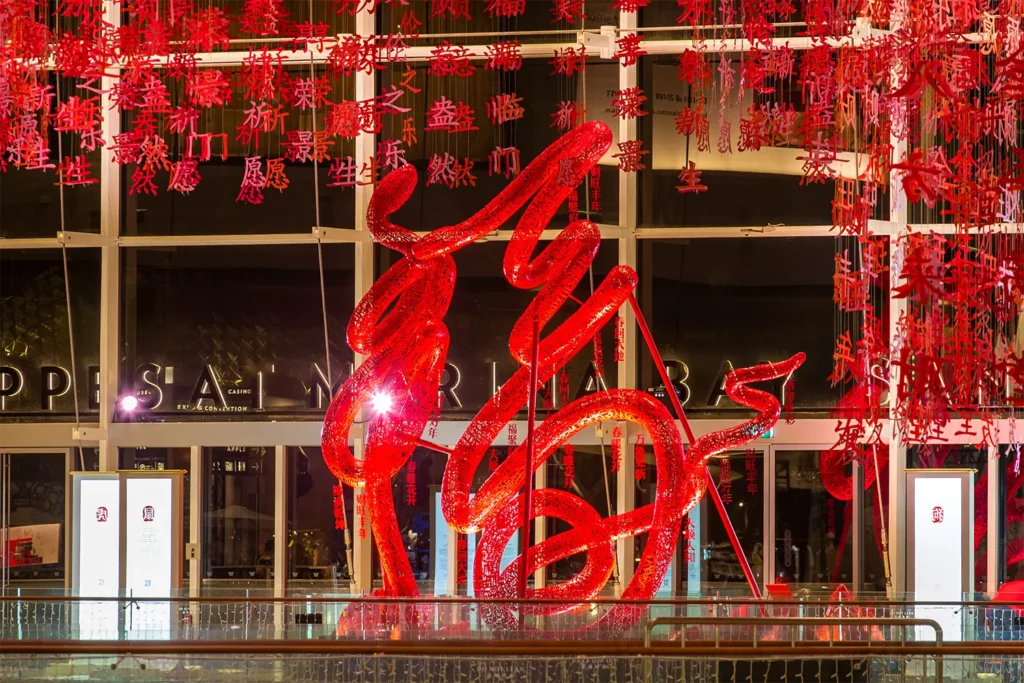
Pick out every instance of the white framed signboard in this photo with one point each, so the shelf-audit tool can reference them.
(940, 546)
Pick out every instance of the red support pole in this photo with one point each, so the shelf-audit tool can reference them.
(531, 418)
(659, 363)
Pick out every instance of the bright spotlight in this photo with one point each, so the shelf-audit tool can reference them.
(382, 402)
(129, 403)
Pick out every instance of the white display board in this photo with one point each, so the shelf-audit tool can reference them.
(940, 544)
(96, 546)
(149, 556)
(96, 552)
(126, 542)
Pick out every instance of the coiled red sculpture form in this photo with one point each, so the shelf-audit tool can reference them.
(398, 326)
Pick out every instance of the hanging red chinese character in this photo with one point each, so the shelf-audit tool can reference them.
(639, 459)
(725, 479)
(568, 465)
(750, 465)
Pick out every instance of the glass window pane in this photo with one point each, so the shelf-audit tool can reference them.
(31, 199)
(483, 311)
(316, 546)
(166, 459)
(714, 304)
(450, 199)
(238, 520)
(35, 533)
(813, 545)
(1011, 498)
(959, 457)
(594, 482)
(233, 332)
(215, 204)
(35, 348)
(720, 570)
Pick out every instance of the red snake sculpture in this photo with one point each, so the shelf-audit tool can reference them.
(398, 327)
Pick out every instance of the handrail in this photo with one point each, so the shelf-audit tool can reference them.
(747, 648)
(451, 600)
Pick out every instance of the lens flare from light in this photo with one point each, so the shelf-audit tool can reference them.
(129, 403)
(382, 402)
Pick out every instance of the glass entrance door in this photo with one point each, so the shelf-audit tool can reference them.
(33, 501)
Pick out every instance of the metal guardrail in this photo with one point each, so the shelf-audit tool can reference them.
(718, 622)
(792, 622)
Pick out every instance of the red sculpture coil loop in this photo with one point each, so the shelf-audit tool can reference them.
(405, 351)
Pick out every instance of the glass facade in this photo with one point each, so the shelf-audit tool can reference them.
(211, 313)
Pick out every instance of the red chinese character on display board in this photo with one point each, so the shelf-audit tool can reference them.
(750, 465)
(253, 182)
(568, 61)
(505, 8)
(276, 177)
(566, 10)
(184, 175)
(690, 177)
(627, 103)
(503, 56)
(447, 116)
(209, 88)
(492, 460)
(639, 459)
(503, 160)
(450, 60)
(343, 172)
(938, 514)
(409, 132)
(629, 155)
(725, 479)
(75, 171)
(569, 115)
(390, 154)
(504, 107)
(513, 436)
(693, 68)
(629, 50)
(307, 145)
(455, 8)
(568, 465)
(261, 17)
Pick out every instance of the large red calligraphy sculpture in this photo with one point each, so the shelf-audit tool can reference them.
(398, 326)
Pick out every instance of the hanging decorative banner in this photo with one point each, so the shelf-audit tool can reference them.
(338, 505)
(568, 465)
(639, 459)
(725, 479)
(616, 449)
(410, 483)
(752, 474)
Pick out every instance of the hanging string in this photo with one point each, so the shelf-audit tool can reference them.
(67, 291)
